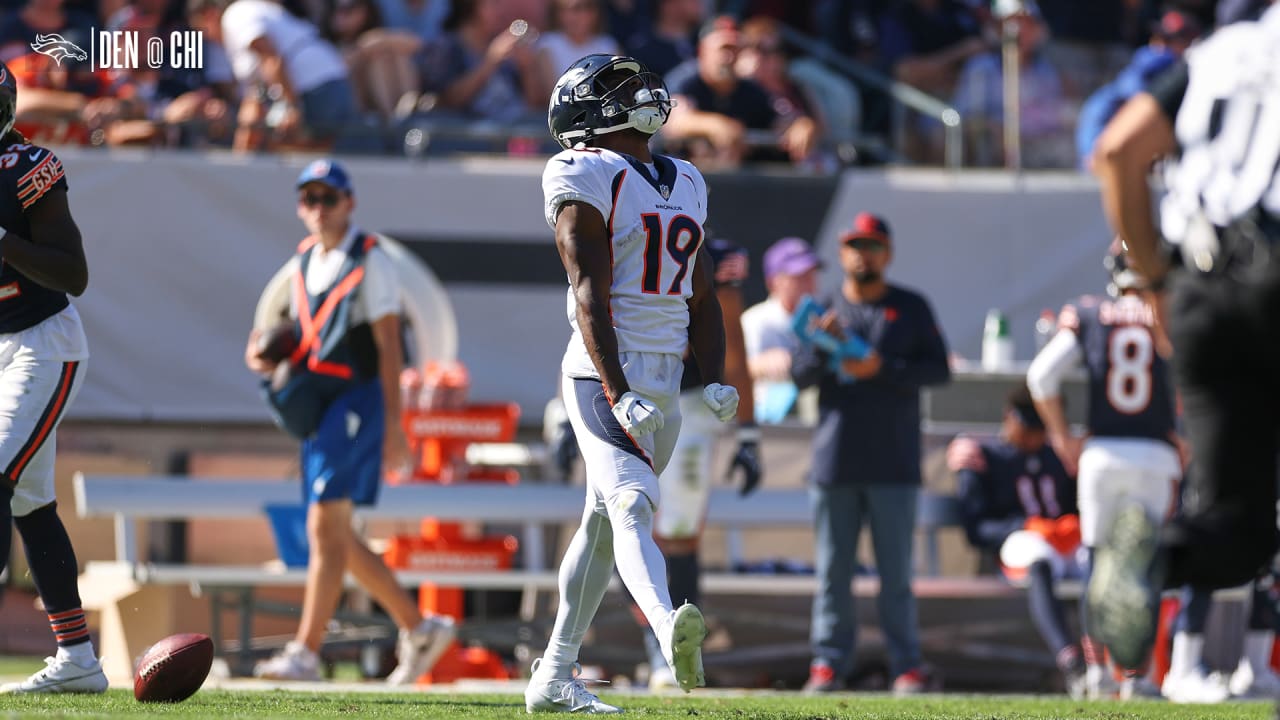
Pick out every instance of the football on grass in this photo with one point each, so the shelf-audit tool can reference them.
(173, 669)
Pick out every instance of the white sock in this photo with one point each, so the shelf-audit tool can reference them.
(81, 654)
(585, 573)
(1188, 651)
(640, 562)
(1257, 650)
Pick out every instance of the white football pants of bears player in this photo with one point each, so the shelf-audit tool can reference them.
(41, 371)
(622, 494)
(686, 483)
(1116, 470)
(1024, 548)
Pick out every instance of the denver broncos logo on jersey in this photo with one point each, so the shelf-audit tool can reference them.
(58, 48)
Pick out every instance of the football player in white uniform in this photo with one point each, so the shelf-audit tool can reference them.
(628, 226)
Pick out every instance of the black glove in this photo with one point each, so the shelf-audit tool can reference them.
(747, 459)
(564, 448)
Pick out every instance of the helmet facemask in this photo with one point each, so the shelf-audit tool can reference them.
(641, 98)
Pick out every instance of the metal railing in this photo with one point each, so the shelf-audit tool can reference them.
(902, 93)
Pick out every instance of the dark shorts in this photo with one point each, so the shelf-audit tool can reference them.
(343, 459)
(330, 108)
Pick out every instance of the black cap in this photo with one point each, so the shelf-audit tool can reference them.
(1023, 407)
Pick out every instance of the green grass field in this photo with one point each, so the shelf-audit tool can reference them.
(772, 706)
(704, 705)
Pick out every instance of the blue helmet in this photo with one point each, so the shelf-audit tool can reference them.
(601, 94)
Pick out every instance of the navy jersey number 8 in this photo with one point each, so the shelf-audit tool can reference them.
(1130, 354)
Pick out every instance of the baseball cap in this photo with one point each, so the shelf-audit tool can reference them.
(328, 172)
(722, 24)
(866, 225)
(789, 256)
(1177, 25)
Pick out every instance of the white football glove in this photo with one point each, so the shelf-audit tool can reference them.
(637, 415)
(722, 399)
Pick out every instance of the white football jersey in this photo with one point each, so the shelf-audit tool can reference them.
(655, 227)
(1228, 128)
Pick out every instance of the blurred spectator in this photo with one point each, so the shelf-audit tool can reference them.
(866, 454)
(852, 27)
(670, 41)
(161, 15)
(790, 273)
(165, 105)
(39, 17)
(1169, 39)
(1019, 506)
(424, 18)
(715, 108)
(1229, 11)
(51, 104)
(380, 60)
(292, 81)
(482, 68)
(1042, 104)
(800, 15)
(925, 43)
(575, 30)
(627, 19)
(763, 59)
(1089, 40)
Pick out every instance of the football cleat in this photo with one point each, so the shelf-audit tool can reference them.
(1124, 593)
(687, 630)
(567, 695)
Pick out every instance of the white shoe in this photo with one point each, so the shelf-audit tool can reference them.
(295, 662)
(661, 678)
(687, 629)
(62, 676)
(1099, 683)
(1244, 683)
(1195, 687)
(420, 648)
(563, 695)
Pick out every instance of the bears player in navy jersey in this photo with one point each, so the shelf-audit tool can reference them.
(686, 483)
(628, 225)
(43, 352)
(1019, 503)
(1131, 453)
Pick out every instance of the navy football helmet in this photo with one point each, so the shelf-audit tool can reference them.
(8, 99)
(602, 94)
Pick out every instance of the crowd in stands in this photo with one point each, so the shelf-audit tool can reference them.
(355, 75)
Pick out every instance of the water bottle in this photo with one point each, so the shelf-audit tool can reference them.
(997, 343)
(1045, 327)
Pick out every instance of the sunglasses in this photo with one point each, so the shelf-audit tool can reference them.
(326, 199)
(865, 244)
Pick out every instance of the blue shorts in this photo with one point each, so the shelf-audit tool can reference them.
(343, 459)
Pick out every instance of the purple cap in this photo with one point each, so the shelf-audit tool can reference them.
(789, 256)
